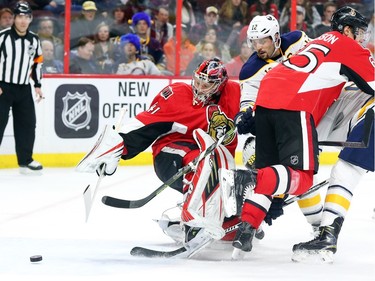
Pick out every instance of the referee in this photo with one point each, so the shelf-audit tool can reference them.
(20, 58)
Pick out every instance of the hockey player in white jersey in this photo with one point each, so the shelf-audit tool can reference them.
(352, 165)
(271, 48)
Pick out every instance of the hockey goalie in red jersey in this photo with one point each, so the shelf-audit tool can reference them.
(180, 123)
(291, 101)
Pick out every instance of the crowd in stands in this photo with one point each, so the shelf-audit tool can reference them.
(139, 37)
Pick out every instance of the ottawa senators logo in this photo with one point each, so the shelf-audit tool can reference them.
(219, 124)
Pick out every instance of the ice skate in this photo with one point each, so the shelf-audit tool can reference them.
(321, 248)
(196, 239)
(170, 223)
(33, 168)
(243, 240)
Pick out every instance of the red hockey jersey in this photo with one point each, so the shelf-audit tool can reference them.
(172, 118)
(312, 79)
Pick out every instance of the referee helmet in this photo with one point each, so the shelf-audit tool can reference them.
(22, 8)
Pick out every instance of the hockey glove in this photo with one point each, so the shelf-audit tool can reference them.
(107, 151)
(245, 122)
(275, 210)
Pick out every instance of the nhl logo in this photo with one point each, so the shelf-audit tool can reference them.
(76, 112)
(31, 51)
(294, 160)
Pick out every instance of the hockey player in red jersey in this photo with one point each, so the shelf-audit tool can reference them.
(292, 99)
(352, 165)
(181, 121)
(271, 48)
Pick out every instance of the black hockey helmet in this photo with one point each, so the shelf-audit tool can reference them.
(22, 8)
(347, 16)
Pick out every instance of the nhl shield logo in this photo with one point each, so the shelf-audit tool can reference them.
(76, 112)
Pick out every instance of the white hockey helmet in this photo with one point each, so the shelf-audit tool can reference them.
(263, 27)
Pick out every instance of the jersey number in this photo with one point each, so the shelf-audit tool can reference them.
(310, 56)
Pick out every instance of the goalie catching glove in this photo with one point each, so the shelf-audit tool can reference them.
(245, 122)
(107, 151)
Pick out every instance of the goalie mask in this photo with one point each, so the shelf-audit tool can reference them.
(208, 81)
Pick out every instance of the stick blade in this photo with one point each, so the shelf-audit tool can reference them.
(87, 200)
(116, 203)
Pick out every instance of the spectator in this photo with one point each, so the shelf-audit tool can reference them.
(301, 24)
(82, 61)
(234, 66)
(6, 18)
(85, 24)
(328, 9)
(221, 49)
(234, 14)
(50, 64)
(105, 6)
(188, 16)
(120, 25)
(162, 30)
(312, 16)
(56, 7)
(187, 51)
(263, 8)
(132, 63)
(46, 31)
(198, 31)
(105, 48)
(206, 51)
(150, 47)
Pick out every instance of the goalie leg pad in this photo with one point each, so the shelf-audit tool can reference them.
(203, 206)
(107, 151)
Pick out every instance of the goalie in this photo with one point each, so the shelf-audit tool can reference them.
(182, 121)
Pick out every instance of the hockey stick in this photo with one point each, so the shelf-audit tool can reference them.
(87, 198)
(183, 252)
(130, 204)
(303, 195)
(369, 119)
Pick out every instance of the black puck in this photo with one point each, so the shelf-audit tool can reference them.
(36, 258)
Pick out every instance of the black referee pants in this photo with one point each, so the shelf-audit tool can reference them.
(19, 99)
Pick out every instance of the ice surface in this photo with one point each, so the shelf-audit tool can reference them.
(45, 215)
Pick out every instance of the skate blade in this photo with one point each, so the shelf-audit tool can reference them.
(313, 256)
(195, 250)
(238, 254)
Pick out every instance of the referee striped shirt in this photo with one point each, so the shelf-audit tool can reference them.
(20, 58)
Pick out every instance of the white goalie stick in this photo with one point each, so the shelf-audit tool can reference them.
(130, 204)
(88, 199)
(369, 119)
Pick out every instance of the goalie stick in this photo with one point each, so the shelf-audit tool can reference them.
(87, 198)
(369, 119)
(183, 252)
(131, 204)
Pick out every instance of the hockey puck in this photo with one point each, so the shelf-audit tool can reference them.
(36, 258)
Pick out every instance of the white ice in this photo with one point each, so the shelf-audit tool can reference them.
(45, 215)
